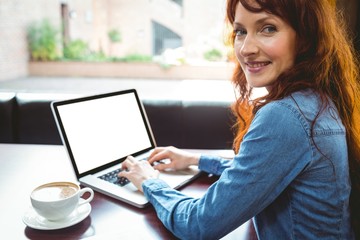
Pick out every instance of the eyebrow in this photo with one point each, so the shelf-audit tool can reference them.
(257, 22)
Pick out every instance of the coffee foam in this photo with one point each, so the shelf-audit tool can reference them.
(53, 193)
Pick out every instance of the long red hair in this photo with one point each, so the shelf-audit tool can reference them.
(325, 62)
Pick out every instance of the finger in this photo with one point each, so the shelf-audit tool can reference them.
(131, 159)
(124, 174)
(164, 166)
(155, 151)
(159, 156)
(127, 164)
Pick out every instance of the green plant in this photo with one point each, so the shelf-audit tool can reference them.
(133, 58)
(43, 40)
(114, 36)
(76, 50)
(213, 55)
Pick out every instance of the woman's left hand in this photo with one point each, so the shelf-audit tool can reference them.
(137, 171)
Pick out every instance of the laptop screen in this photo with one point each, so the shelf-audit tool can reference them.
(103, 129)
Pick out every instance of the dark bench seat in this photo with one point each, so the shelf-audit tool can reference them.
(26, 117)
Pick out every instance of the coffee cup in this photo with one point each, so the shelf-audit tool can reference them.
(57, 200)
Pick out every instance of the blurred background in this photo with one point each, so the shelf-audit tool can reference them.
(52, 38)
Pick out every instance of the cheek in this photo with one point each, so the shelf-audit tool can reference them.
(281, 50)
(237, 47)
(272, 47)
(239, 58)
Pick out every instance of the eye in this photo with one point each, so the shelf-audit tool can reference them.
(240, 32)
(269, 29)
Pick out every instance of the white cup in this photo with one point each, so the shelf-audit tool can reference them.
(57, 200)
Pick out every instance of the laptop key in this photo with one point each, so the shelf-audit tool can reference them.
(122, 181)
(112, 177)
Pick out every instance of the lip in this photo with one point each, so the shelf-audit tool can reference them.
(256, 67)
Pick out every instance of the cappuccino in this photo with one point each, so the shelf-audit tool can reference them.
(57, 200)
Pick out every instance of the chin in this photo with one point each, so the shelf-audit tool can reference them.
(261, 84)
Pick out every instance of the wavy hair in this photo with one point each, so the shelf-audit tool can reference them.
(325, 62)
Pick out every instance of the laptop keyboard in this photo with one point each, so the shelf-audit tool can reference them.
(113, 178)
(120, 181)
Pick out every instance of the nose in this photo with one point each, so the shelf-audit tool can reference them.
(249, 46)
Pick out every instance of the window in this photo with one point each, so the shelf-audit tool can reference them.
(164, 38)
(180, 2)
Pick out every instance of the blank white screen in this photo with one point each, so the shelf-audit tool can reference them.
(102, 130)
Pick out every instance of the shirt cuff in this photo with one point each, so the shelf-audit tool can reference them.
(152, 185)
(210, 164)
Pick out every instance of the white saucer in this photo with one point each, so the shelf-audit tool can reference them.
(33, 220)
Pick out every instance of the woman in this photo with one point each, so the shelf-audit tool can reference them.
(294, 147)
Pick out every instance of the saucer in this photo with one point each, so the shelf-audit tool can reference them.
(32, 219)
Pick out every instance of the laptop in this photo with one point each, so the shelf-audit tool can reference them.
(99, 132)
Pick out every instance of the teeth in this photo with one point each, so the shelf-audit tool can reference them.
(256, 65)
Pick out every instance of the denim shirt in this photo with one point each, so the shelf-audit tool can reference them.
(292, 185)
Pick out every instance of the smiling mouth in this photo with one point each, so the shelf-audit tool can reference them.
(257, 64)
(256, 67)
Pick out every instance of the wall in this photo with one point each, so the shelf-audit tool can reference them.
(15, 16)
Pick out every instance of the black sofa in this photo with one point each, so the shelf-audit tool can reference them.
(26, 118)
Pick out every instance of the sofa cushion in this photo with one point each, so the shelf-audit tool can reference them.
(7, 105)
(207, 125)
(35, 122)
(166, 121)
(177, 122)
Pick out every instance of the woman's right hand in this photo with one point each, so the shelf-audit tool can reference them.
(178, 159)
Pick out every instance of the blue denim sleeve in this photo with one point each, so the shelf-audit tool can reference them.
(213, 164)
(273, 152)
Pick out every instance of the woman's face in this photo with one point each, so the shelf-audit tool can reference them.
(264, 46)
